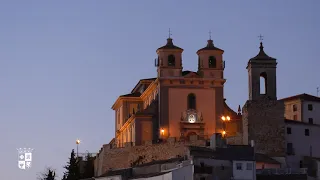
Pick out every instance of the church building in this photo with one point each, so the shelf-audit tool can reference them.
(181, 108)
(177, 103)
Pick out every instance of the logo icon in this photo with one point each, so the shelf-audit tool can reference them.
(24, 158)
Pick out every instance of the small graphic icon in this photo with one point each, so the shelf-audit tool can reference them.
(24, 158)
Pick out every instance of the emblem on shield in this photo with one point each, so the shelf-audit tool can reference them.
(24, 158)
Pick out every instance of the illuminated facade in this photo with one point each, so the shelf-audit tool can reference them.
(176, 103)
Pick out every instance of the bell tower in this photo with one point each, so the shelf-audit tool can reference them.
(169, 61)
(210, 62)
(263, 115)
(210, 68)
(262, 76)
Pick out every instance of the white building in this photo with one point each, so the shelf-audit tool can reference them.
(302, 107)
(244, 170)
(236, 162)
(302, 140)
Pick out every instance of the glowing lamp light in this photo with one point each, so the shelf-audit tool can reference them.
(78, 141)
(224, 132)
(225, 118)
(162, 131)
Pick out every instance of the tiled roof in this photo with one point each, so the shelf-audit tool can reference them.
(170, 45)
(264, 158)
(304, 96)
(141, 80)
(137, 94)
(162, 162)
(231, 152)
(210, 46)
(262, 55)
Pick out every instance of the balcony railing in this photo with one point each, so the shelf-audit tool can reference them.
(282, 171)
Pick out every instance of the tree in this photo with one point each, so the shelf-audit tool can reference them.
(88, 167)
(49, 174)
(64, 177)
(72, 168)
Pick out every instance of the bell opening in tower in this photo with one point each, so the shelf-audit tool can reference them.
(263, 83)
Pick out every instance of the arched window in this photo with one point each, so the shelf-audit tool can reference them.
(263, 83)
(212, 62)
(191, 101)
(171, 60)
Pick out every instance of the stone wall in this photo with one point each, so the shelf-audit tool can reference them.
(235, 140)
(118, 158)
(263, 122)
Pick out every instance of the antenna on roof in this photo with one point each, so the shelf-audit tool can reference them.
(318, 90)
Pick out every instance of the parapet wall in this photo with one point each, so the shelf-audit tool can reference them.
(119, 158)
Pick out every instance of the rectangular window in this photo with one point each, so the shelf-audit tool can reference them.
(310, 120)
(310, 107)
(289, 149)
(288, 130)
(295, 117)
(294, 107)
(239, 166)
(249, 166)
(306, 132)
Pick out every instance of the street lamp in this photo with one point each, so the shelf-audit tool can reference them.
(77, 142)
(224, 133)
(224, 120)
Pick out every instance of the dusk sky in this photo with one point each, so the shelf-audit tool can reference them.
(64, 63)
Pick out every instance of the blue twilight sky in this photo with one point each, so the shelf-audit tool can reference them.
(64, 63)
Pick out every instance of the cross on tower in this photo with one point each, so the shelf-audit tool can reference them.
(169, 33)
(209, 35)
(260, 37)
